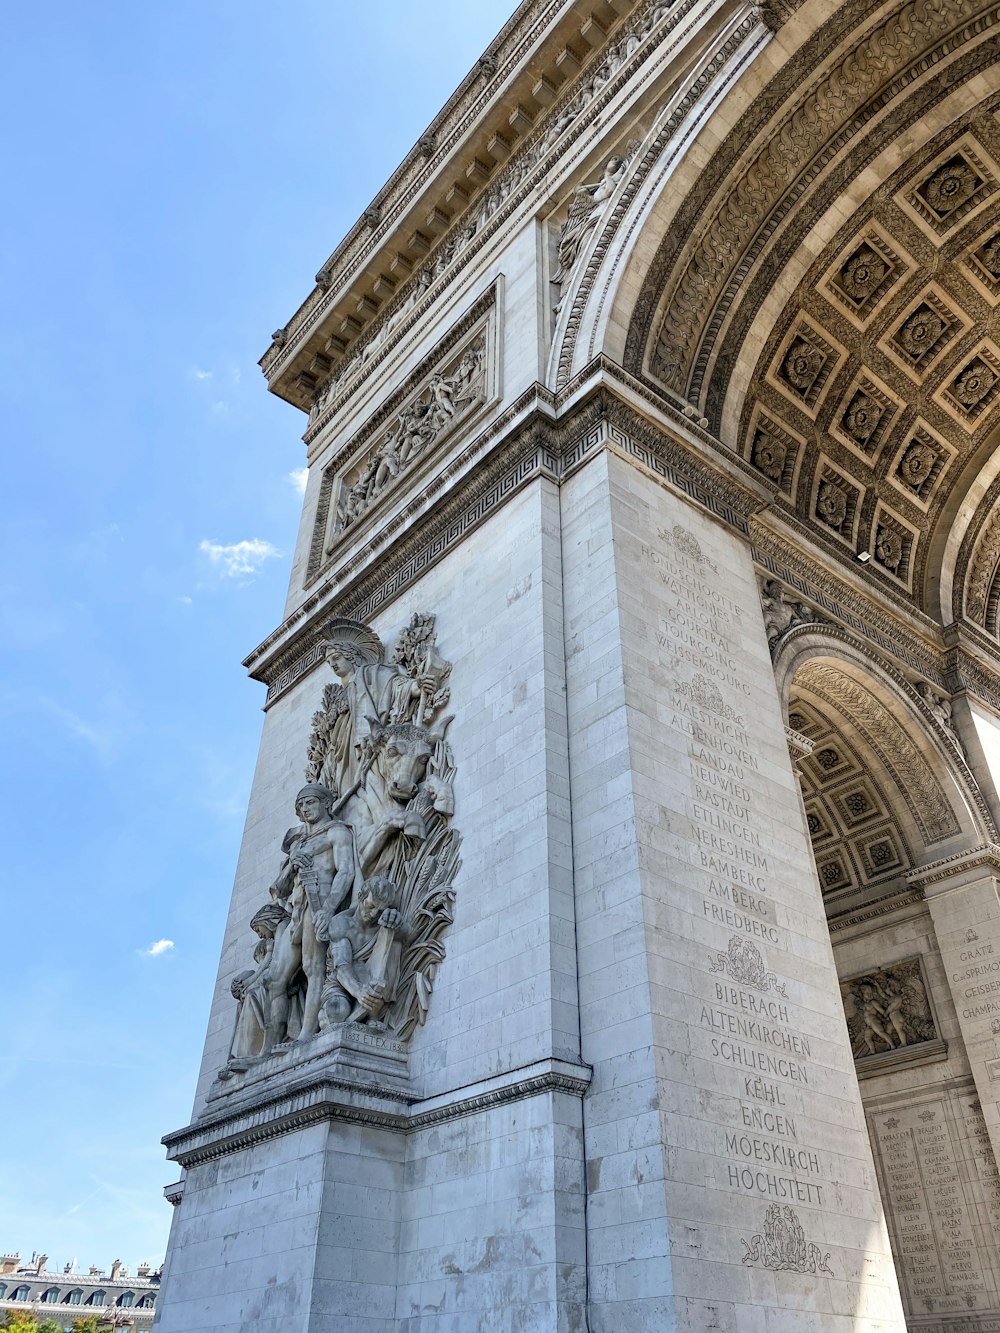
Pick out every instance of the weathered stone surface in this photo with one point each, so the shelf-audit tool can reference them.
(650, 548)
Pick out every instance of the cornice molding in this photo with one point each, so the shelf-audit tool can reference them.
(494, 68)
(895, 902)
(920, 649)
(323, 1100)
(530, 440)
(799, 746)
(531, 162)
(984, 857)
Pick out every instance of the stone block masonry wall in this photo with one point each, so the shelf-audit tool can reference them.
(506, 995)
(636, 879)
(627, 1226)
(490, 1203)
(731, 1178)
(242, 1246)
(492, 1234)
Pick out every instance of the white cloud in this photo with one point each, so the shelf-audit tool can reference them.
(298, 477)
(157, 948)
(239, 558)
(202, 374)
(103, 733)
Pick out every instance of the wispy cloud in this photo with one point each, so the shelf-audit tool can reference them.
(201, 374)
(103, 735)
(298, 478)
(157, 948)
(239, 559)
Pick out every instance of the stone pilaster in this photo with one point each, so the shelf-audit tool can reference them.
(962, 894)
(730, 1175)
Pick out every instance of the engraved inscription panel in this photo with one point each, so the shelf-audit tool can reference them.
(766, 1053)
(942, 1194)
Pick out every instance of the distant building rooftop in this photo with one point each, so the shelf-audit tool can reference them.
(120, 1298)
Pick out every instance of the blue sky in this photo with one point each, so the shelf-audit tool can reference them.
(175, 175)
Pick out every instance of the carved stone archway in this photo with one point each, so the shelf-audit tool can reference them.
(887, 793)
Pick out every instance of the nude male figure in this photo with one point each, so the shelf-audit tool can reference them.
(314, 882)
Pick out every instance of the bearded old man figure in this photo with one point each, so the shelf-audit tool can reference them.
(362, 963)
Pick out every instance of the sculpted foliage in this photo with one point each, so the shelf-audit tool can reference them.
(353, 929)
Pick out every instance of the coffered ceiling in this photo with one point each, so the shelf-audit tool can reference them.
(879, 384)
(828, 294)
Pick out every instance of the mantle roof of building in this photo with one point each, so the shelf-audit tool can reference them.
(528, 68)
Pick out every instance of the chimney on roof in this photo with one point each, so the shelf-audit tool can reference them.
(40, 1266)
(9, 1262)
(115, 1269)
(94, 1271)
(142, 1270)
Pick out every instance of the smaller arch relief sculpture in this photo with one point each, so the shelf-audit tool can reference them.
(887, 1009)
(364, 889)
(939, 706)
(781, 612)
(446, 398)
(586, 208)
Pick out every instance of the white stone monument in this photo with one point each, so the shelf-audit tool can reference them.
(612, 943)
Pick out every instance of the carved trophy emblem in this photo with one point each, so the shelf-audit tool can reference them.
(781, 1245)
(745, 964)
(364, 890)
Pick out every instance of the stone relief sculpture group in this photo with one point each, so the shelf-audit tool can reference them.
(439, 406)
(887, 1009)
(586, 207)
(364, 886)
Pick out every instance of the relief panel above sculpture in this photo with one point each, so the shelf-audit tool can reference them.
(352, 933)
(447, 394)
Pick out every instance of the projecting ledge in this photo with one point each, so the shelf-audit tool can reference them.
(325, 1097)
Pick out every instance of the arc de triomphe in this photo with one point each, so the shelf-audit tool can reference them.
(615, 942)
